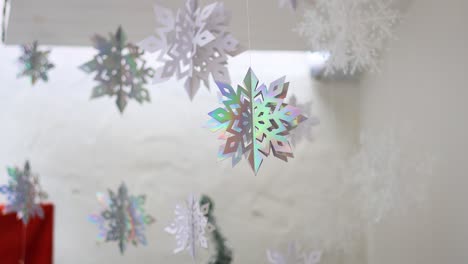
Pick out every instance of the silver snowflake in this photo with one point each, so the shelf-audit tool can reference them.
(123, 218)
(190, 225)
(295, 255)
(288, 3)
(304, 131)
(23, 193)
(353, 31)
(193, 43)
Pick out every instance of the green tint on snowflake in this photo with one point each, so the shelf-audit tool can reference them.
(120, 70)
(254, 120)
(34, 63)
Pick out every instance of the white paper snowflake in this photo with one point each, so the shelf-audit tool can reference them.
(190, 225)
(353, 31)
(193, 43)
(304, 131)
(295, 255)
(377, 174)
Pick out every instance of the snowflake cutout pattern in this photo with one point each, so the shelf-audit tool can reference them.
(193, 43)
(353, 31)
(190, 225)
(254, 121)
(288, 3)
(34, 63)
(295, 255)
(122, 219)
(120, 70)
(24, 194)
(304, 131)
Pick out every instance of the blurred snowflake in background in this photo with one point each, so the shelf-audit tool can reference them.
(194, 43)
(23, 193)
(295, 255)
(34, 63)
(190, 225)
(353, 31)
(122, 219)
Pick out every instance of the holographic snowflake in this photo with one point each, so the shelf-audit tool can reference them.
(193, 44)
(23, 193)
(295, 255)
(288, 3)
(304, 131)
(190, 225)
(34, 63)
(353, 31)
(122, 219)
(255, 120)
(120, 70)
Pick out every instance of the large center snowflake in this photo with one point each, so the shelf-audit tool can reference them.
(120, 70)
(193, 44)
(304, 131)
(122, 219)
(23, 193)
(34, 63)
(255, 120)
(353, 31)
(190, 225)
(295, 255)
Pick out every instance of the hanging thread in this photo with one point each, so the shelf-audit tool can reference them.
(248, 31)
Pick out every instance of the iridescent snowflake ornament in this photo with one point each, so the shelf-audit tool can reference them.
(295, 255)
(34, 63)
(190, 226)
(120, 70)
(304, 131)
(353, 31)
(255, 121)
(23, 193)
(122, 219)
(193, 44)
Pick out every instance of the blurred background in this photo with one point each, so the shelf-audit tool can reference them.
(162, 149)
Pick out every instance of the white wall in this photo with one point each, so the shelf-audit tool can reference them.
(80, 147)
(422, 92)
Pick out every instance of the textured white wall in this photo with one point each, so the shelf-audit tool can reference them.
(80, 147)
(422, 92)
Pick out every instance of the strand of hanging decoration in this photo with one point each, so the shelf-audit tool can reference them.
(122, 218)
(34, 63)
(254, 120)
(193, 44)
(120, 70)
(352, 33)
(190, 226)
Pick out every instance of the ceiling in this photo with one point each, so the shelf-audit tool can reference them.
(72, 22)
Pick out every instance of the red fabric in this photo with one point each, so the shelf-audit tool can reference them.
(39, 238)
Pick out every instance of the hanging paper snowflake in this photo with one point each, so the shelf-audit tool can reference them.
(122, 219)
(190, 225)
(120, 70)
(193, 44)
(288, 3)
(304, 131)
(353, 31)
(295, 255)
(34, 63)
(254, 121)
(23, 193)
(376, 175)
